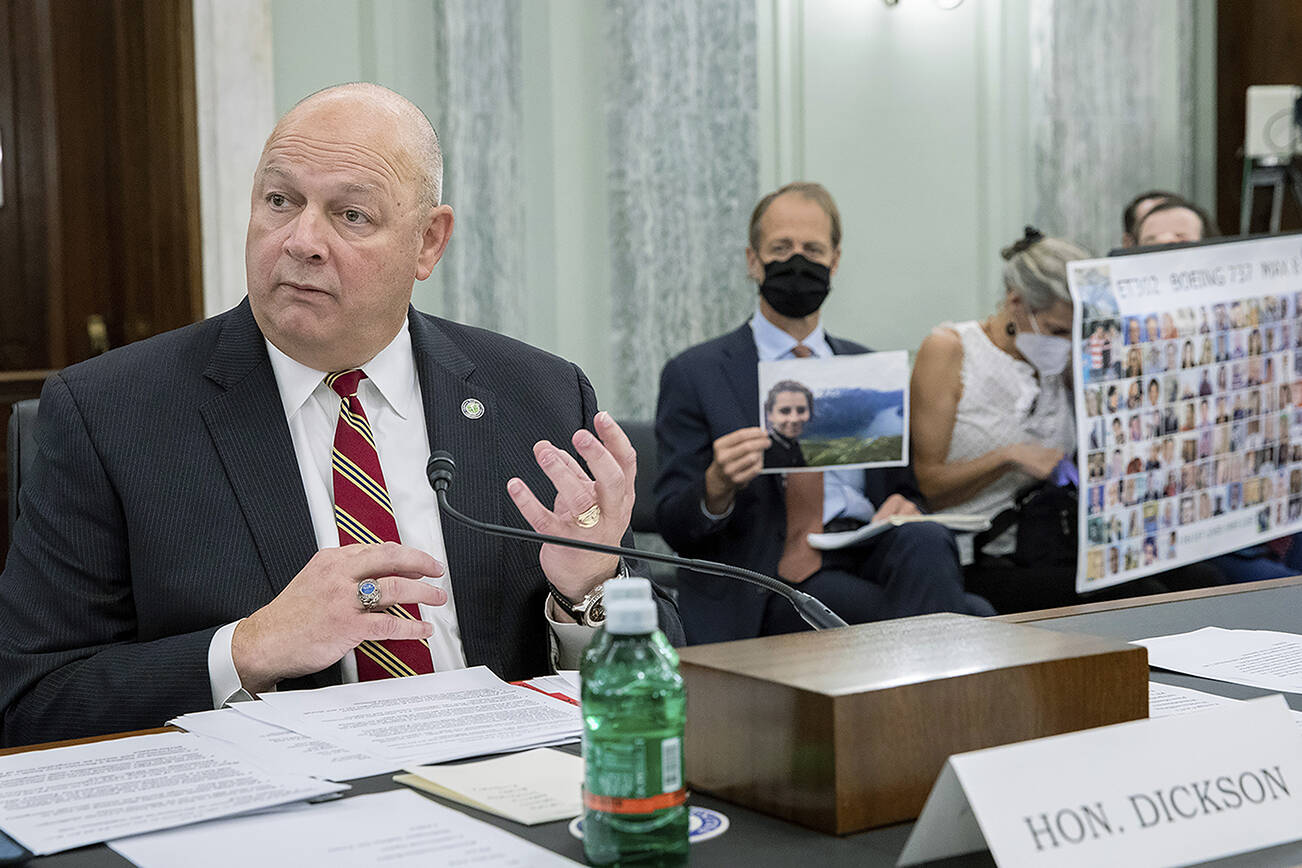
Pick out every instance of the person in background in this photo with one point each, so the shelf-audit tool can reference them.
(990, 406)
(713, 502)
(991, 414)
(1136, 210)
(1174, 221)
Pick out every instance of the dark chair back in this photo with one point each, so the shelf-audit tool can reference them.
(642, 434)
(22, 449)
(643, 437)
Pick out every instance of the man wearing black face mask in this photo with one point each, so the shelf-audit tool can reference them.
(711, 500)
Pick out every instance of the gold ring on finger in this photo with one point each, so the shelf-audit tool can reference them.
(589, 517)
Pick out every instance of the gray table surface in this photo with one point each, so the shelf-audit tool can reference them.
(756, 840)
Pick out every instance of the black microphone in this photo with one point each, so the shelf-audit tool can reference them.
(441, 468)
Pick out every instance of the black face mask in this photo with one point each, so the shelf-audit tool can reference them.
(795, 287)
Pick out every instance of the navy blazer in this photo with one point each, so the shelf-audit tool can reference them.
(707, 391)
(166, 501)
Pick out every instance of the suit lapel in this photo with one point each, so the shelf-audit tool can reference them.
(447, 383)
(741, 369)
(248, 428)
(742, 373)
(840, 347)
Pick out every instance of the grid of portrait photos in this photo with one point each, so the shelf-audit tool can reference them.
(1194, 421)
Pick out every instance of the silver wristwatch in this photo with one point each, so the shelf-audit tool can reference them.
(589, 611)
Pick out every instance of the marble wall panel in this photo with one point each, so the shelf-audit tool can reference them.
(681, 110)
(477, 51)
(1111, 111)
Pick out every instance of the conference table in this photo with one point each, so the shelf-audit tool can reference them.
(756, 840)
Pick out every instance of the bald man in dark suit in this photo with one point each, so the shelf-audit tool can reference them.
(177, 546)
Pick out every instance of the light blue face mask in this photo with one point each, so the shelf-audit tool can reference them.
(1048, 353)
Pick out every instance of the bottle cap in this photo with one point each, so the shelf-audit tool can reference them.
(630, 608)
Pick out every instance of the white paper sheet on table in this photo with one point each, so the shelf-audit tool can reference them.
(1256, 658)
(846, 538)
(428, 718)
(1168, 700)
(282, 719)
(280, 749)
(57, 799)
(394, 829)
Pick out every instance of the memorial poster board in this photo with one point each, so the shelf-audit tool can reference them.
(1188, 390)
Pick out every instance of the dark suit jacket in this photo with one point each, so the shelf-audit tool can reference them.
(166, 501)
(705, 392)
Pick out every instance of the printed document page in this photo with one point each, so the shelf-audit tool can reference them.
(428, 718)
(1257, 658)
(394, 830)
(282, 750)
(57, 799)
(1168, 700)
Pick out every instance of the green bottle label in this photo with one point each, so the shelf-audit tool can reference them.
(634, 769)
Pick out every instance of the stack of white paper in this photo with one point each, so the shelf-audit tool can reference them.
(386, 830)
(423, 719)
(1256, 658)
(282, 750)
(57, 799)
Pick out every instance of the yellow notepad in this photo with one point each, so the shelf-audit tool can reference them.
(534, 786)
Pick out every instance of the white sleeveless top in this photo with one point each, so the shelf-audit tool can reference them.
(1003, 403)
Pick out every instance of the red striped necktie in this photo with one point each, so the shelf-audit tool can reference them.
(364, 514)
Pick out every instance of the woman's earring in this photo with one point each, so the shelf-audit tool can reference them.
(1010, 329)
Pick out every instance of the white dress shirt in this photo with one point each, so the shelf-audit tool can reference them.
(390, 395)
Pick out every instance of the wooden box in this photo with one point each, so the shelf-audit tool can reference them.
(844, 730)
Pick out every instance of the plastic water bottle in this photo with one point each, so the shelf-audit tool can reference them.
(634, 796)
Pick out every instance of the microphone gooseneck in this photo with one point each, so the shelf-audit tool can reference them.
(441, 468)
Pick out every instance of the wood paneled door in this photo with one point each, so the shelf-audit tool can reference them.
(1256, 43)
(99, 215)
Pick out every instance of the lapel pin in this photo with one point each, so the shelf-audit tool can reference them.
(472, 408)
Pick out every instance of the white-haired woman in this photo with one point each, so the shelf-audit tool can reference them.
(991, 405)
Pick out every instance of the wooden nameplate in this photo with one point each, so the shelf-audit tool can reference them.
(843, 730)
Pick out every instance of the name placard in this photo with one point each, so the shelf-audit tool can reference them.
(1166, 791)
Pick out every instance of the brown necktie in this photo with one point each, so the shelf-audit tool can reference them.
(804, 515)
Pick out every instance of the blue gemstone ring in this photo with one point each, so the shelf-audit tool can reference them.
(369, 593)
